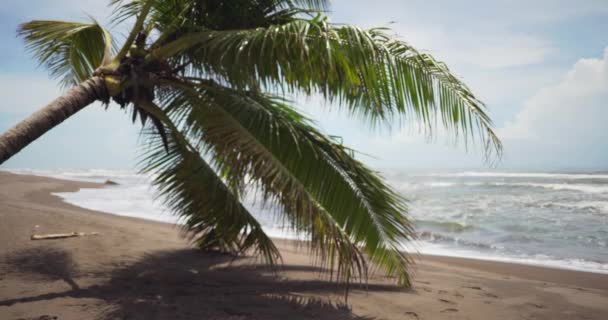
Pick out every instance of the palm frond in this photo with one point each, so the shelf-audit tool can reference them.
(381, 79)
(316, 5)
(213, 216)
(321, 188)
(142, 16)
(181, 16)
(71, 51)
(221, 71)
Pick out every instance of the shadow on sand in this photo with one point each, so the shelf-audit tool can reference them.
(45, 263)
(189, 284)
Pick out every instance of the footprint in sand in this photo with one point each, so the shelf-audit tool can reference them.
(490, 295)
(536, 305)
(447, 301)
(449, 310)
(427, 289)
(473, 287)
(454, 294)
(411, 315)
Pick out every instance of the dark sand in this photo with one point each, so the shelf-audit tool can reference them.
(139, 269)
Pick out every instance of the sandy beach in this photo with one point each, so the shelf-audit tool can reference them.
(137, 269)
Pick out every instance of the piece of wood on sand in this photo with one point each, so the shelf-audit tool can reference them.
(62, 235)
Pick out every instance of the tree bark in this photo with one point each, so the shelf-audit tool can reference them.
(45, 119)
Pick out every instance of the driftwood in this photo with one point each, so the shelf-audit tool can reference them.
(62, 235)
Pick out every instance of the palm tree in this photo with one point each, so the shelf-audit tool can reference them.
(210, 80)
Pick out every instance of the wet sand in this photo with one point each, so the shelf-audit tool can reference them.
(138, 269)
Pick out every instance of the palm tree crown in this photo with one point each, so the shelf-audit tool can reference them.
(209, 81)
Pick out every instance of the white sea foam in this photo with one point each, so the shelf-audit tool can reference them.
(589, 188)
(597, 206)
(88, 175)
(543, 175)
(123, 200)
(535, 260)
(441, 184)
(580, 187)
(135, 197)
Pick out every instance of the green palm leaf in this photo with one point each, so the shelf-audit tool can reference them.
(213, 216)
(181, 16)
(316, 182)
(70, 50)
(378, 78)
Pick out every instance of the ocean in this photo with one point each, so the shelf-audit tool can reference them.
(549, 219)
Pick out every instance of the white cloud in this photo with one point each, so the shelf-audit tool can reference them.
(570, 116)
(476, 12)
(490, 49)
(496, 51)
(471, 33)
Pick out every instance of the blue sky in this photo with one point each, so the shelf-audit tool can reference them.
(540, 66)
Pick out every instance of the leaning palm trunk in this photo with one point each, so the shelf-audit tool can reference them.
(196, 73)
(30, 129)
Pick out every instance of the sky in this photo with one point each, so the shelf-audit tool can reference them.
(540, 66)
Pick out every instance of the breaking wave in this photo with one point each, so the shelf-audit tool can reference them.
(573, 176)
